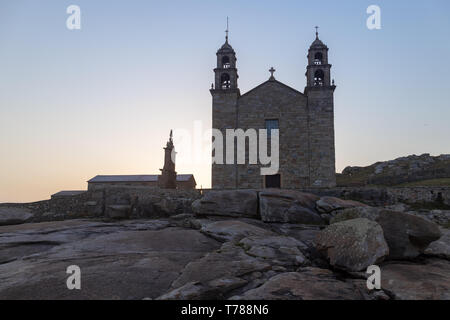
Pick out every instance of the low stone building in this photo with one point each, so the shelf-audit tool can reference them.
(168, 179)
(183, 181)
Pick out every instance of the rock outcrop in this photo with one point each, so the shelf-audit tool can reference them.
(11, 216)
(394, 172)
(121, 260)
(234, 203)
(308, 284)
(289, 207)
(413, 281)
(353, 245)
(406, 235)
(331, 204)
(440, 248)
(280, 250)
(230, 230)
(270, 244)
(229, 261)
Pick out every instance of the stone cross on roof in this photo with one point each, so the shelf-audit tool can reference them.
(272, 70)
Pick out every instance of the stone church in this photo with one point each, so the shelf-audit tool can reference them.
(305, 121)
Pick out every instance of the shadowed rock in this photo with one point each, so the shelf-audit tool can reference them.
(330, 204)
(213, 290)
(12, 216)
(441, 247)
(289, 207)
(309, 284)
(281, 250)
(407, 281)
(126, 260)
(406, 235)
(233, 230)
(235, 203)
(353, 245)
(229, 261)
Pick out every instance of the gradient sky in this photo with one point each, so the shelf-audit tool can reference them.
(101, 100)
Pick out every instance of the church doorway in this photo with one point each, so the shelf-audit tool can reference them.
(273, 181)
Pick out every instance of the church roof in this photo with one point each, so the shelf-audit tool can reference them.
(135, 178)
(226, 48)
(272, 81)
(318, 43)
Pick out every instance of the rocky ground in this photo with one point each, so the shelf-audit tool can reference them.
(235, 245)
(423, 170)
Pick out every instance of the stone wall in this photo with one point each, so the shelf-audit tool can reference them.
(87, 204)
(145, 202)
(142, 202)
(440, 195)
(306, 123)
(224, 117)
(39, 207)
(321, 136)
(274, 100)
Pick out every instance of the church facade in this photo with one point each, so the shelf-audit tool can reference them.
(305, 122)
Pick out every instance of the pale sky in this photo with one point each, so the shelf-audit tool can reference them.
(102, 100)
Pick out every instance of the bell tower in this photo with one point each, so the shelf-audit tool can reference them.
(226, 76)
(320, 92)
(225, 94)
(318, 70)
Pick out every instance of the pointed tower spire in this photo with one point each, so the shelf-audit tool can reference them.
(170, 142)
(226, 31)
(317, 32)
(168, 177)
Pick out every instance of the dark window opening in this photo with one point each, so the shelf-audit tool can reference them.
(225, 81)
(318, 58)
(226, 62)
(273, 181)
(271, 124)
(318, 78)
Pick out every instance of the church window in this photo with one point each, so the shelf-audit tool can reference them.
(226, 62)
(318, 78)
(225, 81)
(318, 58)
(271, 124)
